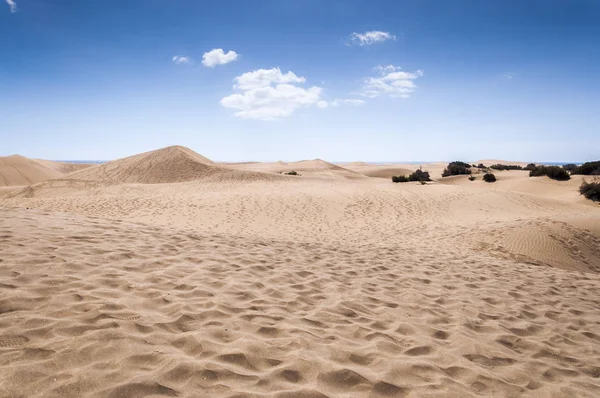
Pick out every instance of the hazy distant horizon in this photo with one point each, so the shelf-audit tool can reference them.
(336, 162)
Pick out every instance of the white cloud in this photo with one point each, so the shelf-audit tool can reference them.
(351, 102)
(12, 5)
(265, 77)
(339, 102)
(368, 38)
(268, 94)
(181, 60)
(508, 76)
(218, 57)
(391, 81)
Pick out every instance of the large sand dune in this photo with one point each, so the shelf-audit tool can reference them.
(202, 279)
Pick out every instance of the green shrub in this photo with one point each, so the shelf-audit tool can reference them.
(419, 175)
(400, 179)
(530, 166)
(569, 167)
(292, 173)
(472, 178)
(456, 168)
(481, 166)
(588, 168)
(489, 177)
(553, 172)
(591, 190)
(506, 167)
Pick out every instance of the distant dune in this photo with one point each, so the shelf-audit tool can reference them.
(313, 168)
(18, 170)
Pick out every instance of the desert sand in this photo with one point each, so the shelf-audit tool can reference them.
(167, 274)
(18, 170)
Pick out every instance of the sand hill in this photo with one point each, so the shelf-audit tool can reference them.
(175, 164)
(308, 168)
(165, 274)
(167, 165)
(18, 170)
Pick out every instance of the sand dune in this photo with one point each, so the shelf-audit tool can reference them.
(173, 164)
(18, 170)
(313, 168)
(165, 274)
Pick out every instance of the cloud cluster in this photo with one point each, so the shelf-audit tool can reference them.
(181, 60)
(368, 38)
(268, 94)
(391, 81)
(12, 5)
(218, 57)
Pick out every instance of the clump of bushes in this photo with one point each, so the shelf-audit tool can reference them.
(569, 167)
(553, 172)
(481, 166)
(506, 167)
(588, 168)
(418, 175)
(472, 178)
(591, 190)
(489, 177)
(400, 179)
(530, 166)
(292, 173)
(456, 168)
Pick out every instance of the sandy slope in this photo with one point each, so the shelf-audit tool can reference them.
(307, 168)
(18, 170)
(233, 280)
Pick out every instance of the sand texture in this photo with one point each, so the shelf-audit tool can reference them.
(166, 274)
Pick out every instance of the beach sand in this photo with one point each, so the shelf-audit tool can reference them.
(166, 274)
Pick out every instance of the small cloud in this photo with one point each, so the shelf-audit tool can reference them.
(12, 5)
(368, 38)
(350, 102)
(508, 76)
(181, 60)
(218, 57)
(391, 81)
(268, 94)
(340, 102)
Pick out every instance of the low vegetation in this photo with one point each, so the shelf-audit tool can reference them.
(472, 178)
(292, 173)
(417, 175)
(588, 168)
(456, 168)
(399, 179)
(506, 167)
(569, 167)
(591, 190)
(481, 166)
(489, 177)
(530, 166)
(553, 172)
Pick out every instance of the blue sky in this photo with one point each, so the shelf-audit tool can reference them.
(338, 80)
